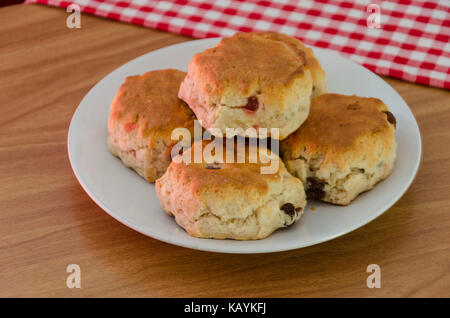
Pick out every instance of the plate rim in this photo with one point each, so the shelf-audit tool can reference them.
(199, 247)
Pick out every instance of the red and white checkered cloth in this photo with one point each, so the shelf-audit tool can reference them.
(412, 43)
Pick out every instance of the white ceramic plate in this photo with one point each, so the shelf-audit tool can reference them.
(131, 200)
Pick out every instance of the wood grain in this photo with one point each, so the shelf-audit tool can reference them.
(48, 222)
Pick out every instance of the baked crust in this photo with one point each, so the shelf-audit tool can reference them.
(143, 114)
(345, 147)
(230, 200)
(253, 80)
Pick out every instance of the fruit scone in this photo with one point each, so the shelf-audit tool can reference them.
(143, 114)
(253, 80)
(345, 147)
(231, 200)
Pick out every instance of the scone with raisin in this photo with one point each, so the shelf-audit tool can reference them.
(143, 114)
(253, 80)
(231, 200)
(345, 147)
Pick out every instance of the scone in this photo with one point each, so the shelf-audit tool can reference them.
(319, 78)
(345, 147)
(253, 80)
(231, 200)
(143, 114)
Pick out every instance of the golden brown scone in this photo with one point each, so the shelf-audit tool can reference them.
(217, 200)
(143, 114)
(319, 78)
(345, 147)
(253, 80)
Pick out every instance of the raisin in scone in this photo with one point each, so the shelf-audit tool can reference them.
(345, 147)
(231, 200)
(143, 114)
(253, 80)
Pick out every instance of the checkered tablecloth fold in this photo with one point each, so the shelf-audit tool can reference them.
(412, 42)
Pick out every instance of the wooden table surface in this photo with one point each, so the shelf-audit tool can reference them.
(47, 221)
